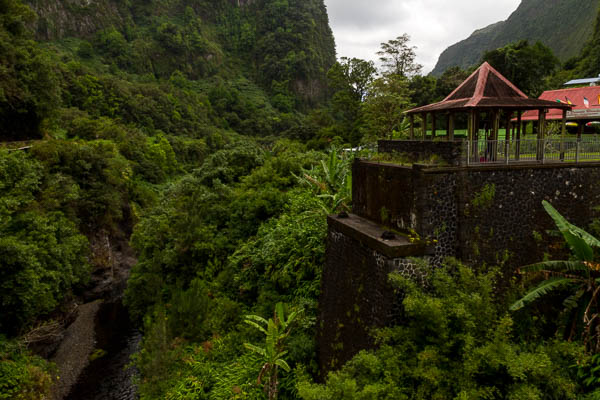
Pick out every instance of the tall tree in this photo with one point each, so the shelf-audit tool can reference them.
(398, 57)
(350, 80)
(388, 97)
(28, 86)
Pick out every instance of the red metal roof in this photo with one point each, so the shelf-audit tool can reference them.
(577, 97)
(487, 88)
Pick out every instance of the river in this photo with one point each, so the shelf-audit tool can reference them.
(110, 376)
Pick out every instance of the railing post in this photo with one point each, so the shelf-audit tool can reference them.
(506, 150)
(577, 153)
(468, 153)
(543, 150)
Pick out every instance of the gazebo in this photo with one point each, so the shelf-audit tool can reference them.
(485, 96)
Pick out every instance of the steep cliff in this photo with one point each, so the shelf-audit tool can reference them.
(286, 46)
(563, 25)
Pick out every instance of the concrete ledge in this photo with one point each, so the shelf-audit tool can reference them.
(433, 169)
(370, 233)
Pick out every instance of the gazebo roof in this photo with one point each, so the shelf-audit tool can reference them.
(486, 88)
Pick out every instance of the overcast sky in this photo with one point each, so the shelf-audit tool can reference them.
(360, 26)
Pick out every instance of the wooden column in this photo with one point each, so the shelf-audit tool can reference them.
(507, 136)
(411, 118)
(424, 118)
(433, 126)
(563, 134)
(450, 133)
(492, 145)
(472, 135)
(519, 127)
(540, 135)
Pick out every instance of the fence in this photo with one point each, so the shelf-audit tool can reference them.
(532, 150)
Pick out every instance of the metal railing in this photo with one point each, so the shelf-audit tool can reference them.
(544, 151)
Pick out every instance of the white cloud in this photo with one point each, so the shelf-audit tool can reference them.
(360, 26)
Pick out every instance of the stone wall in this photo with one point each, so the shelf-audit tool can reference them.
(501, 218)
(356, 296)
(488, 215)
(450, 152)
(384, 194)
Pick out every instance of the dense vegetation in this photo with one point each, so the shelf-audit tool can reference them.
(208, 135)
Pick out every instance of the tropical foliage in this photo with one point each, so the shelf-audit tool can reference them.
(455, 342)
(579, 276)
(276, 330)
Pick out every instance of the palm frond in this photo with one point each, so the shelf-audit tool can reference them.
(283, 365)
(579, 240)
(556, 266)
(571, 302)
(256, 349)
(544, 288)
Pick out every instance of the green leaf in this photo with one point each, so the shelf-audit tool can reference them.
(556, 266)
(254, 324)
(256, 349)
(545, 287)
(283, 365)
(579, 240)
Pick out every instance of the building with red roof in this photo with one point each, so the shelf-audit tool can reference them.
(585, 101)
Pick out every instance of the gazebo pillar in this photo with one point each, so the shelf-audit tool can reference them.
(450, 127)
(541, 133)
(471, 134)
(507, 135)
(563, 133)
(424, 118)
(433, 125)
(519, 127)
(493, 148)
(411, 118)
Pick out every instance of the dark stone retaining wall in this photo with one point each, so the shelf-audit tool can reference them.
(510, 227)
(356, 296)
(384, 194)
(489, 215)
(418, 150)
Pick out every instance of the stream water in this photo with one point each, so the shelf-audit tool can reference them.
(109, 376)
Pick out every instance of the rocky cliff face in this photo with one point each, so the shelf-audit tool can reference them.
(289, 43)
(563, 25)
(81, 18)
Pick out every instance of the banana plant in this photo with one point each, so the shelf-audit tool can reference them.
(332, 180)
(580, 275)
(276, 330)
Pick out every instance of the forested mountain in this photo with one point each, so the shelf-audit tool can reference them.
(563, 25)
(182, 156)
(194, 113)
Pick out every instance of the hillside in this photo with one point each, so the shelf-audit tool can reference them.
(280, 45)
(563, 25)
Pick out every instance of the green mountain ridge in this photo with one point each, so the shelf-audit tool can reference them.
(563, 25)
(281, 45)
